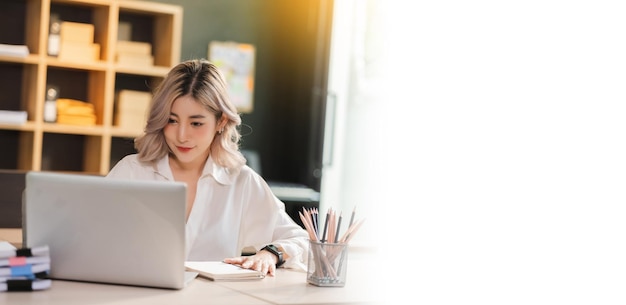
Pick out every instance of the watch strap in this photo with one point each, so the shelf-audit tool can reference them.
(274, 250)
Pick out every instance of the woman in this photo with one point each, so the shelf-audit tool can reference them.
(191, 136)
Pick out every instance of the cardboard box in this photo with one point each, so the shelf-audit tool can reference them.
(132, 109)
(133, 47)
(79, 52)
(131, 121)
(135, 100)
(74, 32)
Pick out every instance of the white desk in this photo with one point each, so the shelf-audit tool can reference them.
(290, 287)
(70, 293)
(287, 287)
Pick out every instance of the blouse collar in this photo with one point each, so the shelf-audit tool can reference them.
(221, 174)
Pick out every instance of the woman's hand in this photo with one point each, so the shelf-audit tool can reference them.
(263, 261)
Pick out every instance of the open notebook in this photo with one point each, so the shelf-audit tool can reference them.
(220, 271)
(108, 230)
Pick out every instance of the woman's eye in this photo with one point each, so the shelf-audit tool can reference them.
(171, 121)
(197, 124)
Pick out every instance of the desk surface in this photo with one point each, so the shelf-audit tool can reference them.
(287, 287)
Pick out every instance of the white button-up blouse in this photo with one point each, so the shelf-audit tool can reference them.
(232, 210)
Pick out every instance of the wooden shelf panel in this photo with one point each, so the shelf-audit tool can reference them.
(152, 8)
(154, 71)
(73, 129)
(104, 3)
(30, 59)
(91, 66)
(28, 126)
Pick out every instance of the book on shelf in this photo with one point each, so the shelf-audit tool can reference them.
(13, 50)
(220, 271)
(13, 117)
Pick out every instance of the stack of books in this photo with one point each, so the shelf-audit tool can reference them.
(75, 112)
(25, 269)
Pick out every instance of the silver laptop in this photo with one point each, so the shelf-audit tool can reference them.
(108, 230)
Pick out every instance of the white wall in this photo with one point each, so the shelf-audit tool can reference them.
(511, 141)
(353, 173)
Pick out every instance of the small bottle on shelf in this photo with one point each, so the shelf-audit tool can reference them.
(54, 35)
(50, 105)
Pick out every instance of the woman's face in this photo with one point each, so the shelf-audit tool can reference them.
(190, 131)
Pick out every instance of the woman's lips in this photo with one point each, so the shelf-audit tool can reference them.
(183, 149)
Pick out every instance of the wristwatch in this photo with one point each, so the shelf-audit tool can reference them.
(274, 250)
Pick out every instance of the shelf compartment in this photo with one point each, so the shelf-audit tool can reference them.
(92, 12)
(136, 82)
(156, 24)
(16, 95)
(86, 86)
(12, 77)
(19, 156)
(23, 19)
(16, 12)
(71, 153)
(121, 147)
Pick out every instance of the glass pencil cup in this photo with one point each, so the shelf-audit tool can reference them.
(327, 264)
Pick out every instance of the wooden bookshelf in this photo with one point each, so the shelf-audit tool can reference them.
(42, 146)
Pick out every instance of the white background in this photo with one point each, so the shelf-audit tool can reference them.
(490, 155)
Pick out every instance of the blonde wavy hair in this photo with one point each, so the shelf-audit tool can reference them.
(201, 80)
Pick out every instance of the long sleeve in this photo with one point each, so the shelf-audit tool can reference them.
(267, 210)
(242, 213)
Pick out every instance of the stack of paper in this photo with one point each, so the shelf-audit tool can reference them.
(13, 50)
(75, 112)
(25, 269)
